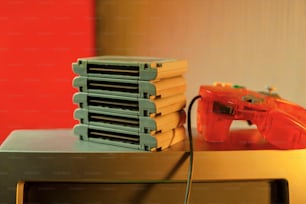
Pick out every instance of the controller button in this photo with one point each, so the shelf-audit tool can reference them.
(218, 84)
(236, 86)
(222, 84)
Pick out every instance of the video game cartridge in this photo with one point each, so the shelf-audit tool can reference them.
(131, 88)
(129, 105)
(132, 123)
(136, 68)
(142, 141)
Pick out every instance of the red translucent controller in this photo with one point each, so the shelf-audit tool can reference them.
(280, 122)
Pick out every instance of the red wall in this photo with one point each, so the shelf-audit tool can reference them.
(38, 42)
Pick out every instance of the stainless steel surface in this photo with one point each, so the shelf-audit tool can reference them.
(59, 140)
(56, 155)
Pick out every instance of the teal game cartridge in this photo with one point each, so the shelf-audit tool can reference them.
(118, 137)
(131, 88)
(129, 105)
(132, 123)
(139, 68)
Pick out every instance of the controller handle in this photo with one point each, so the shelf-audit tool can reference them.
(213, 127)
(283, 130)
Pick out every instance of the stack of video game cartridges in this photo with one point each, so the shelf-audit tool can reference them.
(135, 102)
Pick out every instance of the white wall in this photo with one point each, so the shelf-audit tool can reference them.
(249, 42)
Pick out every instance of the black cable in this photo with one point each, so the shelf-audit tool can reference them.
(189, 179)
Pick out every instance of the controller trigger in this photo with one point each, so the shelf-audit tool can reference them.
(249, 122)
(220, 108)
